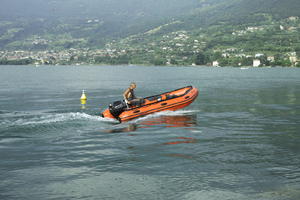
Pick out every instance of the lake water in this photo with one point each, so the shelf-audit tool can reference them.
(240, 139)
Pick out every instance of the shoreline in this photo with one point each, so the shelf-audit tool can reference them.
(144, 65)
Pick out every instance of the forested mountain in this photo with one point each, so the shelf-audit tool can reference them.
(63, 24)
(240, 11)
(93, 21)
(117, 9)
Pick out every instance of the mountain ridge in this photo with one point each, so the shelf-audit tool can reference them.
(78, 24)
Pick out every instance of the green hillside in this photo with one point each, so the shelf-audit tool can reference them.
(151, 32)
(241, 11)
(78, 23)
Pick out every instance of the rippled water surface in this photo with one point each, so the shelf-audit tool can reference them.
(240, 139)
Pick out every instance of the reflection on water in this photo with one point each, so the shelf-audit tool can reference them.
(172, 121)
(128, 128)
(165, 121)
(182, 140)
(83, 103)
(179, 155)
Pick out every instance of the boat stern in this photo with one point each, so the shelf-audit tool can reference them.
(106, 114)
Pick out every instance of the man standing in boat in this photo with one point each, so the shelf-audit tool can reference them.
(130, 97)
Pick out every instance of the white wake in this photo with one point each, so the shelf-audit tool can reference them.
(55, 118)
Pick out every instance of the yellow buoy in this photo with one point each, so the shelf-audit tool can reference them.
(83, 102)
(83, 96)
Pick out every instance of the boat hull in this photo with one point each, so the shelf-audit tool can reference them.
(172, 101)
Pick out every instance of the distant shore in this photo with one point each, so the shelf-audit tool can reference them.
(144, 65)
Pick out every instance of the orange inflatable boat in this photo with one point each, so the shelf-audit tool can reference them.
(172, 100)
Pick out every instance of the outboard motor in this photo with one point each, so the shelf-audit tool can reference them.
(117, 107)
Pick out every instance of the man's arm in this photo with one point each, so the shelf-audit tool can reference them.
(125, 94)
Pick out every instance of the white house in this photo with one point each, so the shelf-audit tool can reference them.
(256, 63)
(215, 64)
(259, 55)
(293, 59)
(271, 58)
(225, 55)
(293, 18)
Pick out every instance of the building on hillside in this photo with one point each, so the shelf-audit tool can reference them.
(241, 55)
(179, 45)
(293, 18)
(292, 53)
(225, 55)
(256, 63)
(292, 28)
(271, 58)
(254, 28)
(13, 57)
(215, 64)
(259, 55)
(293, 59)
